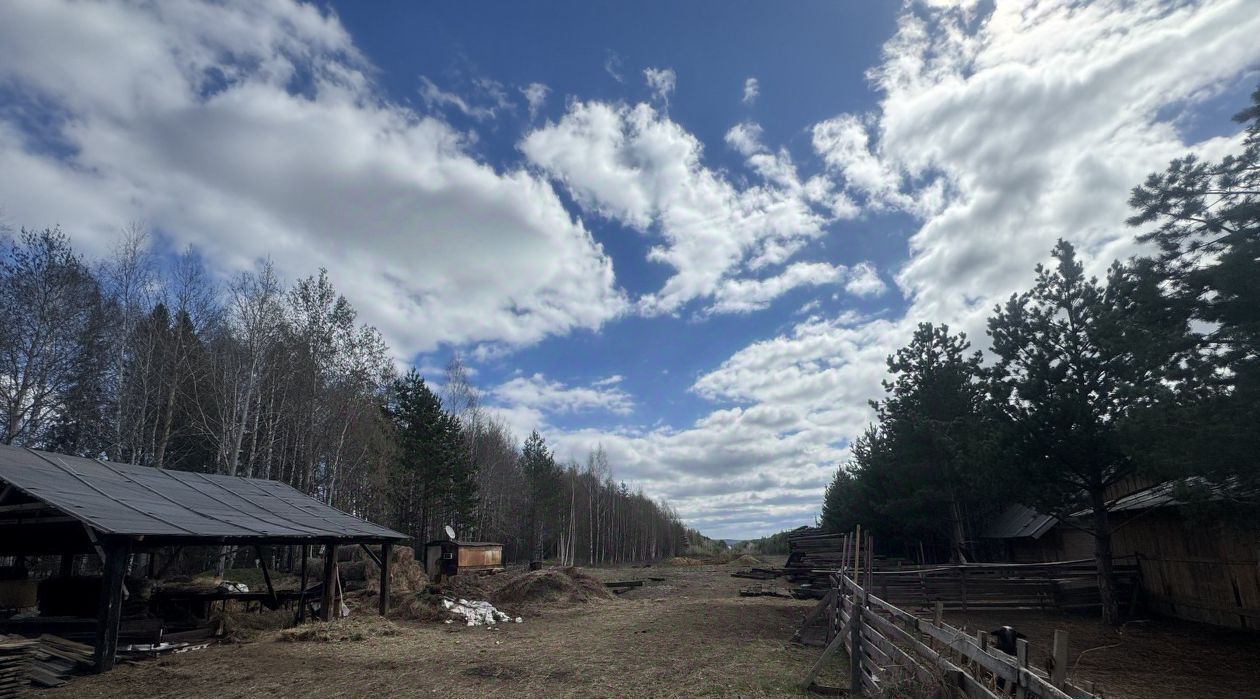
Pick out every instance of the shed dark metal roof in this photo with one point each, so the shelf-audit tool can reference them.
(1018, 521)
(129, 500)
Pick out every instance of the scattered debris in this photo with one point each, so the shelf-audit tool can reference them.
(763, 591)
(621, 586)
(758, 573)
(478, 613)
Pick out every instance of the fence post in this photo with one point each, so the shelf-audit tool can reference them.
(1021, 656)
(1058, 674)
(855, 650)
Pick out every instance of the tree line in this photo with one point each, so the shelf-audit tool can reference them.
(149, 359)
(1152, 371)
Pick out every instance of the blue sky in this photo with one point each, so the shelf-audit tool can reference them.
(689, 232)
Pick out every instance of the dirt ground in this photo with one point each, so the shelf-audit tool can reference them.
(690, 635)
(1141, 659)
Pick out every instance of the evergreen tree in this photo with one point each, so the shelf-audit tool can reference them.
(1072, 367)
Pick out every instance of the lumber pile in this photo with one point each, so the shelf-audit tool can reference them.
(48, 661)
(15, 659)
(812, 555)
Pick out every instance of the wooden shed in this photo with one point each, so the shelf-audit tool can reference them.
(1022, 535)
(55, 504)
(1204, 569)
(443, 559)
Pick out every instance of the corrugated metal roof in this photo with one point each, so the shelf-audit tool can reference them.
(1018, 521)
(137, 500)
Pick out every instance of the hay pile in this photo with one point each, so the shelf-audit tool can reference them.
(239, 626)
(745, 560)
(341, 630)
(684, 561)
(551, 587)
(362, 573)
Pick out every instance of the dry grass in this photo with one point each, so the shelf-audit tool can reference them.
(689, 636)
(341, 630)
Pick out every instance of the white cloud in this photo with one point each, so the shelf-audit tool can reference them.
(864, 280)
(635, 165)
(200, 119)
(537, 391)
(745, 138)
(661, 81)
(1000, 133)
(436, 97)
(612, 66)
(535, 95)
(744, 295)
(751, 89)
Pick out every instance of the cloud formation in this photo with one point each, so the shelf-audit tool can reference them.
(751, 89)
(202, 123)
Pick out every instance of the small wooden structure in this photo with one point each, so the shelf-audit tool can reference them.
(443, 559)
(54, 504)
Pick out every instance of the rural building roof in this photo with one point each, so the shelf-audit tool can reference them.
(457, 542)
(1018, 521)
(160, 504)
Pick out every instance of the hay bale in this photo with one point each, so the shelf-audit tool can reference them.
(405, 573)
(745, 560)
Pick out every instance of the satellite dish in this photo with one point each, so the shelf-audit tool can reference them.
(450, 533)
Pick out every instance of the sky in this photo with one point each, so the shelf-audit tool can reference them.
(688, 232)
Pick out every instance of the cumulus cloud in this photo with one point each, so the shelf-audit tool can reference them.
(744, 295)
(634, 165)
(661, 81)
(999, 130)
(538, 392)
(864, 280)
(200, 118)
(751, 89)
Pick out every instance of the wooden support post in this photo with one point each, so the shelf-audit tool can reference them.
(1058, 674)
(67, 565)
(386, 550)
(939, 616)
(1021, 658)
(301, 613)
(109, 613)
(855, 648)
(330, 582)
(271, 590)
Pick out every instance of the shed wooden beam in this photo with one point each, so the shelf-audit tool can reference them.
(116, 552)
(386, 550)
(330, 582)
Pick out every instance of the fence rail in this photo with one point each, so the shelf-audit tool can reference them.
(887, 645)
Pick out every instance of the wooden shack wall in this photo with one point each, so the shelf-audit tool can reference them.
(1206, 572)
(1063, 543)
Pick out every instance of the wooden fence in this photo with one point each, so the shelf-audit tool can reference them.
(888, 646)
(1063, 585)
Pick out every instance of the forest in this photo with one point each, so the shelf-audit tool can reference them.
(1152, 371)
(149, 359)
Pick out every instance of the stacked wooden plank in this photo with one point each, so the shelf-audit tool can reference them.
(15, 660)
(813, 552)
(48, 661)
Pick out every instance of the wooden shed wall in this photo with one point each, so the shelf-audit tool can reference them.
(1062, 543)
(1202, 572)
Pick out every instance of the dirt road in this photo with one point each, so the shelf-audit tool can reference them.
(688, 636)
